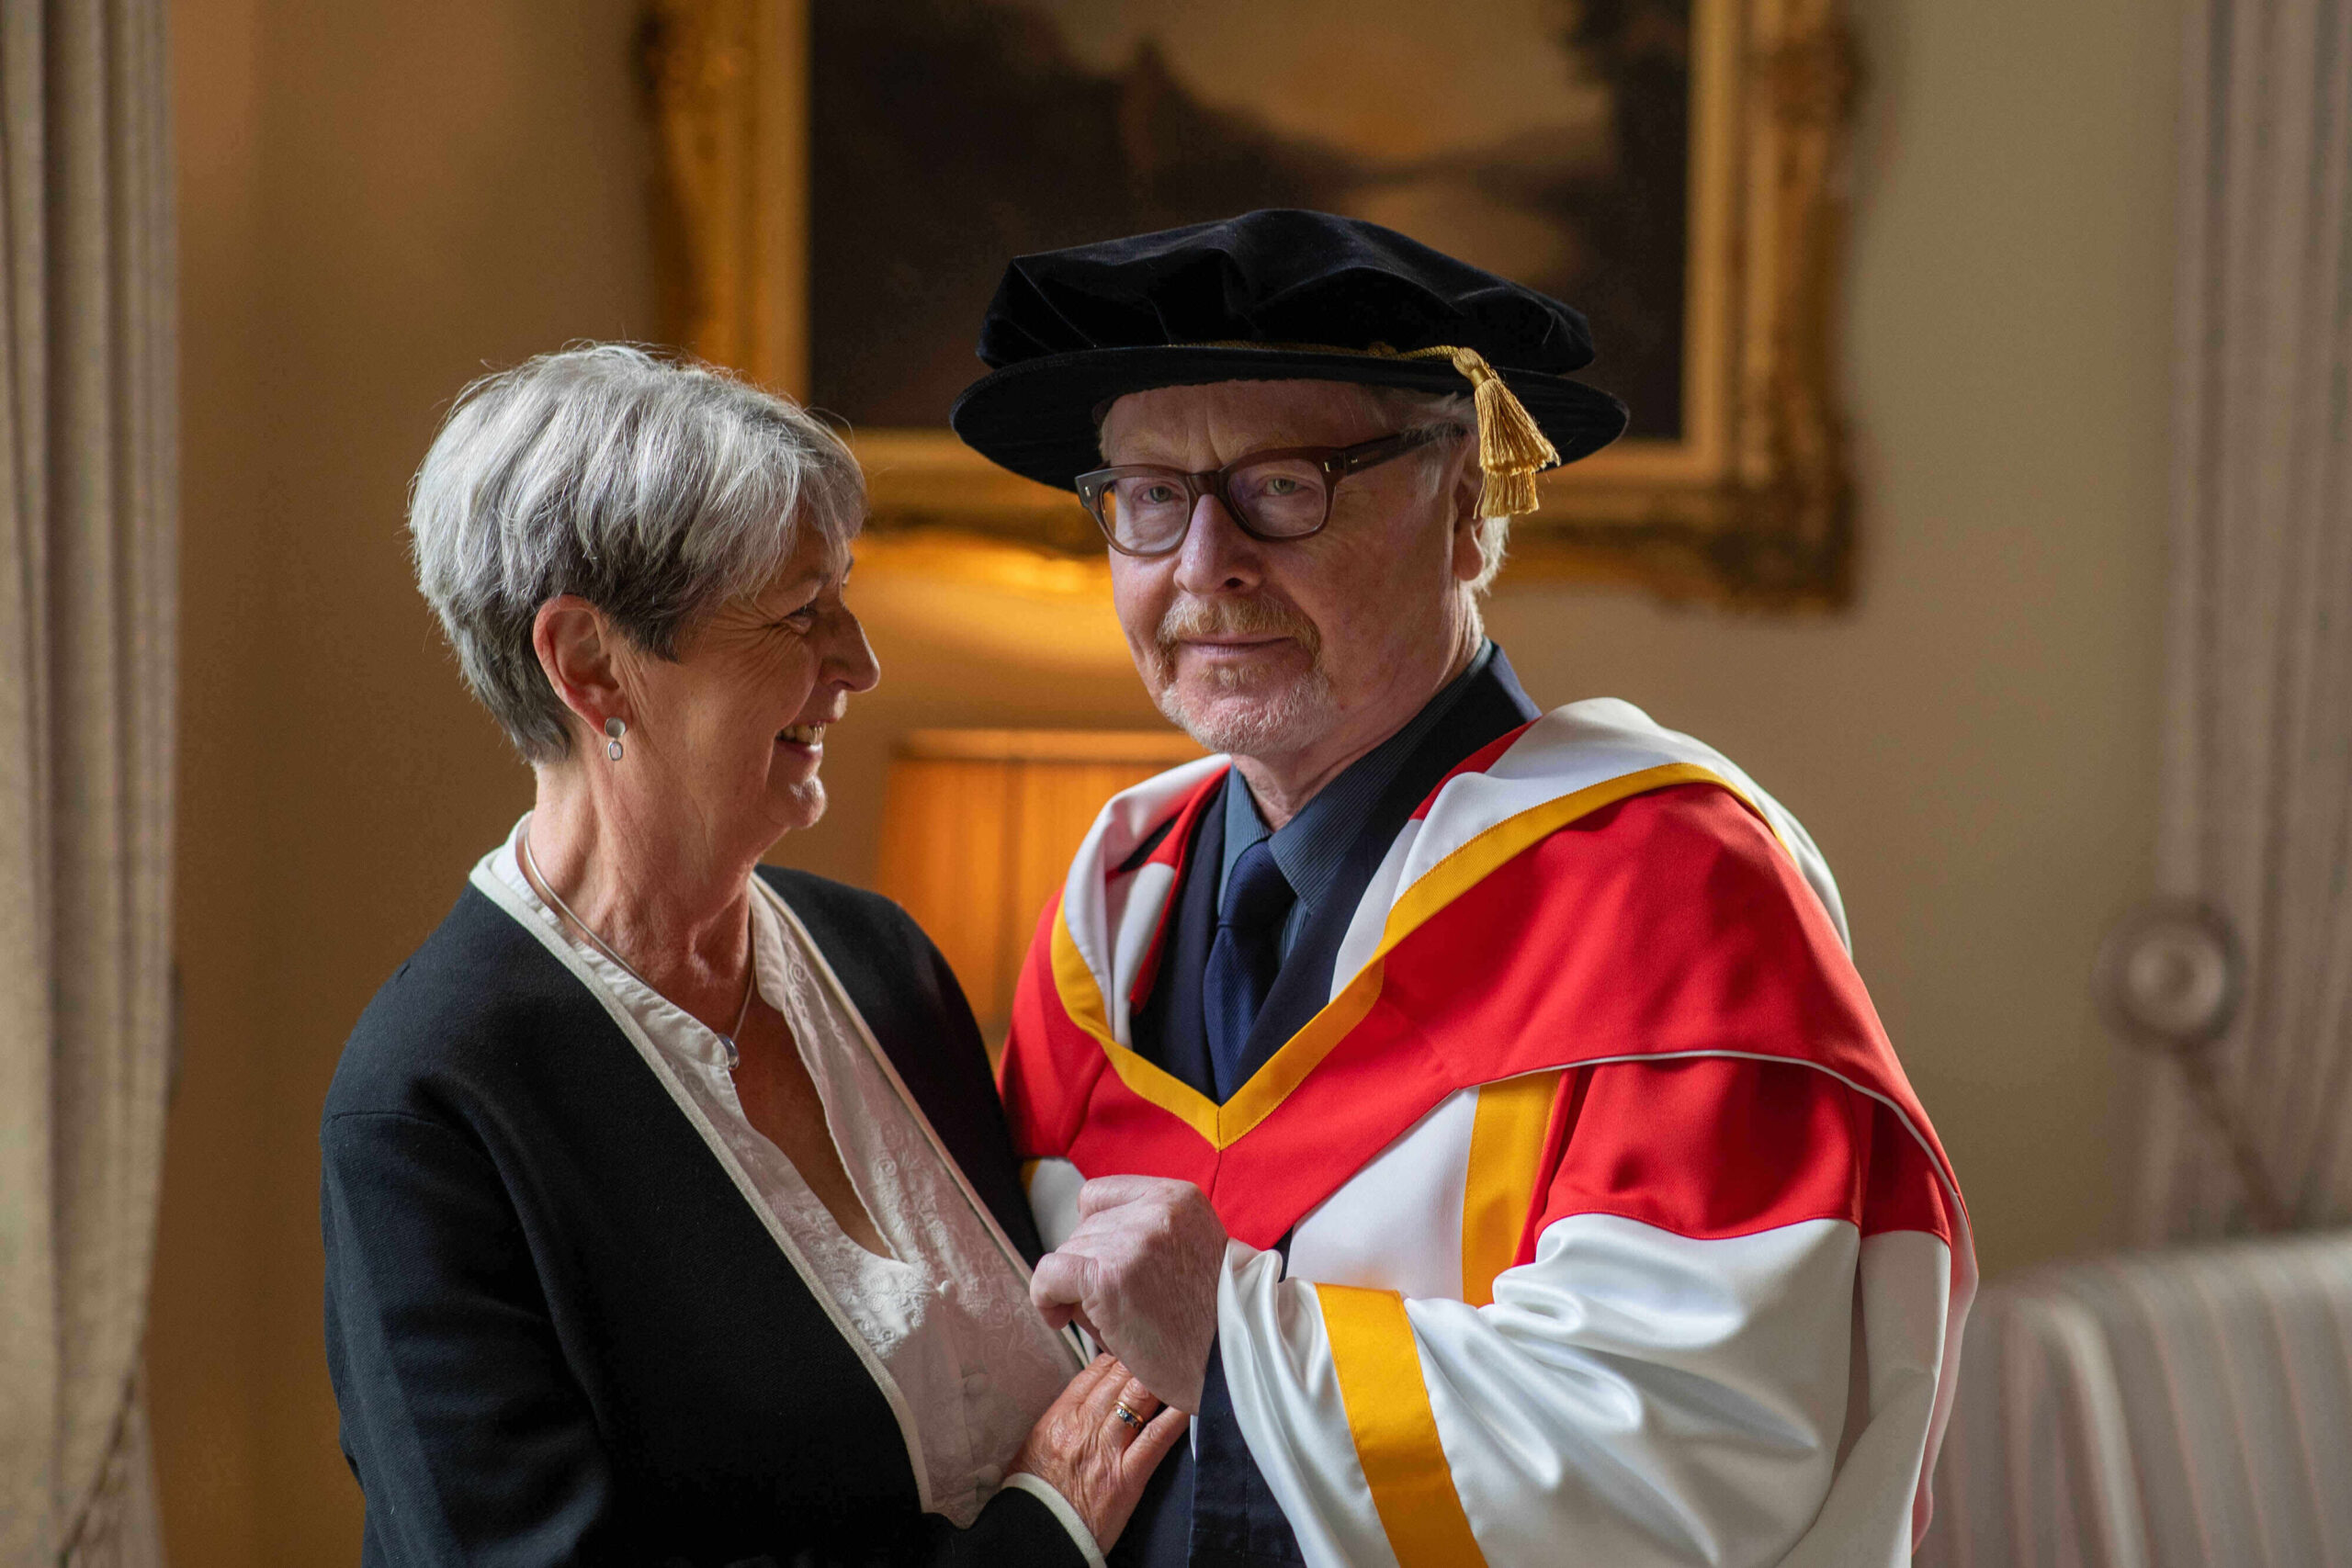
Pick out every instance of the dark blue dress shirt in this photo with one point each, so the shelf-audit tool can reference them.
(1312, 847)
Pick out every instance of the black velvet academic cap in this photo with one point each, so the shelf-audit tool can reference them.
(1273, 296)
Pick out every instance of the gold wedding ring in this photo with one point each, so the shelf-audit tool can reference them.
(1119, 1408)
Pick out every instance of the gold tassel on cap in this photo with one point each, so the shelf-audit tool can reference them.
(1512, 448)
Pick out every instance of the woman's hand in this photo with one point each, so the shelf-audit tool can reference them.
(1095, 1458)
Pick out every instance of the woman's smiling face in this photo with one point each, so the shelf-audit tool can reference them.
(731, 732)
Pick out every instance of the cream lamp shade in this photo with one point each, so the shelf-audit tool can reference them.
(979, 828)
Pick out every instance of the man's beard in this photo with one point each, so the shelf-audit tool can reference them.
(1247, 712)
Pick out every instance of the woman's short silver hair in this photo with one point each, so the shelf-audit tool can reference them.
(653, 488)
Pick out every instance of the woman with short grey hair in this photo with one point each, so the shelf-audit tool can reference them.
(670, 1215)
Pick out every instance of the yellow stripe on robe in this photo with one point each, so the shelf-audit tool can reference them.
(1379, 1369)
(1506, 1147)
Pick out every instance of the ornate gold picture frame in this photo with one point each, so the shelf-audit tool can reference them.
(1750, 503)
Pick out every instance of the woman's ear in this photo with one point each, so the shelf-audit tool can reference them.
(579, 651)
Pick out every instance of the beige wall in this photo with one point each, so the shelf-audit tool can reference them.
(378, 198)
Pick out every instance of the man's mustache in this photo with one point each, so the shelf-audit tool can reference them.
(1193, 620)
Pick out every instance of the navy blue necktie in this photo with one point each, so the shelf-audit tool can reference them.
(1244, 958)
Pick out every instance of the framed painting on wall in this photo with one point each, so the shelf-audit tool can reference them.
(844, 180)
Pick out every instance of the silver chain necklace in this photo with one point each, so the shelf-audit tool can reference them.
(750, 977)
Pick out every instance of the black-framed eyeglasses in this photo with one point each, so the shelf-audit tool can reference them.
(1283, 493)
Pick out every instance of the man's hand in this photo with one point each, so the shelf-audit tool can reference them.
(1139, 1273)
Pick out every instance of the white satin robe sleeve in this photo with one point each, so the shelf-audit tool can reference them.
(1632, 1397)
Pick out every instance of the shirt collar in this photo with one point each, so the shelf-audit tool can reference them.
(1311, 847)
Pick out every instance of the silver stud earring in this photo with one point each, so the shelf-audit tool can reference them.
(614, 728)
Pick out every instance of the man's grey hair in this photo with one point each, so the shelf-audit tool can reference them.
(1408, 410)
(653, 488)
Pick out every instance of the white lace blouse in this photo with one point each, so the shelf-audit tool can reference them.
(944, 1325)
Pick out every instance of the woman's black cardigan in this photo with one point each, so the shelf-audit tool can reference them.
(557, 1330)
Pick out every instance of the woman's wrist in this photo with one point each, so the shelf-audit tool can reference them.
(1062, 1509)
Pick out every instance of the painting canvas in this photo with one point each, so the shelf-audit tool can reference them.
(844, 181)
(1545, 140)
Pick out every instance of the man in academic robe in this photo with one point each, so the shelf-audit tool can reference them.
(1471, 1113)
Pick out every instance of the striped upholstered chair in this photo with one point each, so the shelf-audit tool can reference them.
(2160, 1410)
